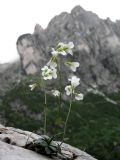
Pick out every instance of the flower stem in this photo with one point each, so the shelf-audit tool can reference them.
(66, 121)
(45, 114)
(60, 82)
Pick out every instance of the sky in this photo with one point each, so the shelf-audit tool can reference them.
(18, 17)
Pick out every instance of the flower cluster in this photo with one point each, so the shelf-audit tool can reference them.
(49, 73)
(65, 49)
(50, 70)
(70, 89)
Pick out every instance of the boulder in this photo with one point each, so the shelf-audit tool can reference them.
(10, 152)
(13, 140)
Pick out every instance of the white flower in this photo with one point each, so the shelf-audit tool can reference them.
(62, 49)
(32, 86)
(52, 64)
(56, 93)
(75, 81)
(54, 73)
(49, 73)
(63, 53)
(46, 73)
(54, 52)
(79, 96)
(73, 65)
(70, 47)
(61, 46)
(69, 90)
(65, 48)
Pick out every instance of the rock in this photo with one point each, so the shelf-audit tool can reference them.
(10, 152)
(97, 47)
(26, 51)
(32, 50)
(10, 74)
(12, 141)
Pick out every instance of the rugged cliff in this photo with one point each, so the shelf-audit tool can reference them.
(97, 47)
(94, 122)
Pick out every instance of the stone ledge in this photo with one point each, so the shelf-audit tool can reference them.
(17, 138)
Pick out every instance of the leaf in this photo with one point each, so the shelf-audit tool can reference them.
(53, 144)
(41, 142)
(53, 148)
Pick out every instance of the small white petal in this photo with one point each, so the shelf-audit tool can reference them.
(77, 64)
(74, 81)
(56, 93)
(52, 64)
(44, 68)
(45, 78)
(63, 53)
(73, 65)
(54, 73)
(54, 52)
(71, 45)
(70, 52)
(69, 90)
(61, 44)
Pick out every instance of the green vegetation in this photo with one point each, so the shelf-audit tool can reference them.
(94, 124)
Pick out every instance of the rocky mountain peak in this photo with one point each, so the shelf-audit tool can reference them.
(97, 47)
(77, 9)
(38, 29)
(80, 13)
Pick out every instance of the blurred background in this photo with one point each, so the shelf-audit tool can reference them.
(28, 31)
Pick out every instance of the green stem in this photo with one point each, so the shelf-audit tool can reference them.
(60, 98)
(45, 114)
(54, 137)
(66, 121)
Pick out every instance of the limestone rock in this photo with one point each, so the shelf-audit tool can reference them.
(97, 47)
(12, 140)
(32, 50)
(10, 152)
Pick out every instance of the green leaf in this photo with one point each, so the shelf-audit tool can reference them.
(41, 142)
(53, 148)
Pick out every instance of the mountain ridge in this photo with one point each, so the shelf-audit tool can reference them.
(97, 47)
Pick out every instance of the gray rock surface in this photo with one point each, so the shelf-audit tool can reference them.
(10, 152)
(10, 74)
(17, 138)
(97, 47)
